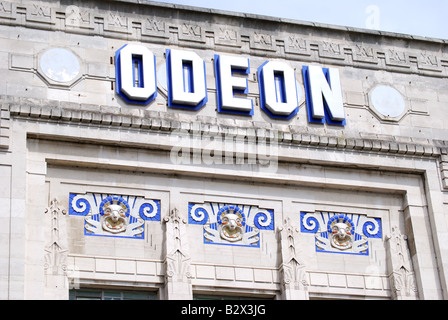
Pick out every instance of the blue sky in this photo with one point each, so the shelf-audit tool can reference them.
(426, 18)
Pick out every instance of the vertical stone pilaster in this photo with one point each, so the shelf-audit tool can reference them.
(292, 269)
(402, 277)
(56, 252)
(177, 262)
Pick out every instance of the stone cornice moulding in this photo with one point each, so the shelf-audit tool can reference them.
(76, 114)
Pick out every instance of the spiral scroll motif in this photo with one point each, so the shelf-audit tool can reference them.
(79, 205)
(264, 220)
(198, 215)
(372, 229)
(150, 210)
(309, 223)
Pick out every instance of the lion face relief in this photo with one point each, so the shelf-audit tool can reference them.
(231, 227)
(341, 232)
(115, 212)
(232, 221)
(114, 219)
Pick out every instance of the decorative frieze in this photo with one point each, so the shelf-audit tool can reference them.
(228, 224)
(113, 215)
(78, 19)
(341, 233)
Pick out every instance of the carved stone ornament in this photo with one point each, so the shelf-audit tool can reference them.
(402, 277)
(341, 233)
(178, 258)
(229, 224)
(56, 248)
(232, 221)
(292, 268)
(113, 215)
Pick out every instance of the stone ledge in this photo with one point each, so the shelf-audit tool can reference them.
(82, 114)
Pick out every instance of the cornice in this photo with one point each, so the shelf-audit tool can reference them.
(76, 114)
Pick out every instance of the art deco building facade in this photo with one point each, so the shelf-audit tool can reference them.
(166, 152)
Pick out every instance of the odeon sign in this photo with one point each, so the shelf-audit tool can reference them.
(136, 79)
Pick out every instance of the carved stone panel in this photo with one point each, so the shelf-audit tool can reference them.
(155, 27)
(40, 14)
(297, 45)
(366, 54)
(227, 37)
(7, 10)
(56, 248)
(78, 18)
(191, 32)
(263, 41)
(228, 224)
(115, 22)
(397, 58)
(293, 269)
(402, 277)
(331, 50)
(178, 259)
(341, 233)
(113, 215)
(428, 62)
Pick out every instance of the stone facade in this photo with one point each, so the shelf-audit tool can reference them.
(93, 196)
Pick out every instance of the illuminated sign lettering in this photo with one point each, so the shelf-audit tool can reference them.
(136, 80)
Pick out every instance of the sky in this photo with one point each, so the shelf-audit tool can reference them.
(427, 18)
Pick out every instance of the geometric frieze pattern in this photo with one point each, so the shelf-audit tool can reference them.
(82, 20)
(340, 232)
(230, 224)
(114, 215)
